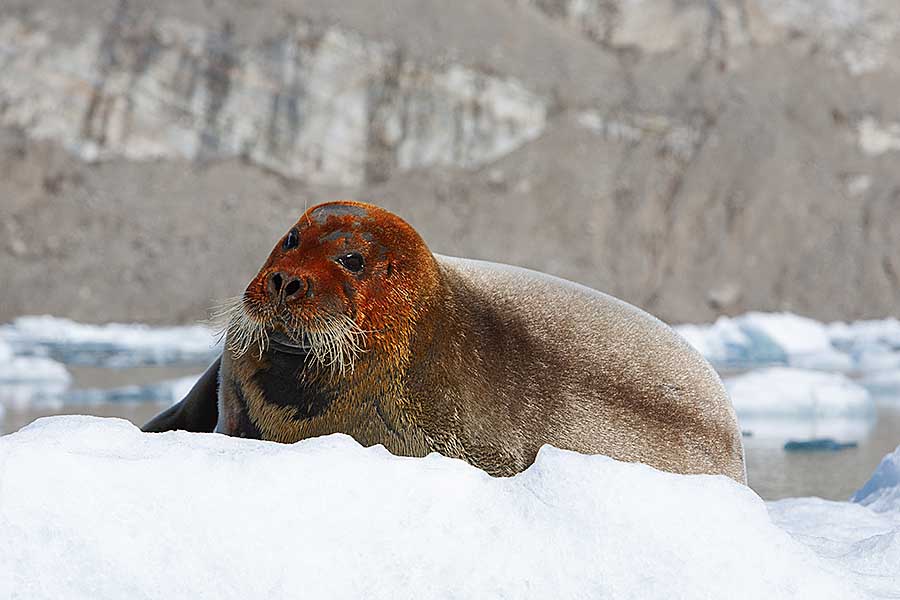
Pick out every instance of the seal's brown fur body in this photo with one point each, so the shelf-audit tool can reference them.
(483, 362)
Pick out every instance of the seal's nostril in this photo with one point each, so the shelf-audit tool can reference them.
(276, 281)
(292, 288)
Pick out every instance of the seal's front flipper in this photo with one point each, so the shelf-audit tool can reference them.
(199, 410)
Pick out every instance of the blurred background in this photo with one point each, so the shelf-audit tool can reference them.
(697, 158)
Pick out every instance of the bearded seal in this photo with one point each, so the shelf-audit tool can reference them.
(352, 325)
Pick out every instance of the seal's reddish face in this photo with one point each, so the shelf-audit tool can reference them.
(342, 265)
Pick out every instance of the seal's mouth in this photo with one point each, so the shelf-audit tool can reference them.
(334, 341)
(279, 342)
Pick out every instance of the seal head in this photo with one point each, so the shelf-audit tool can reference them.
(324, 333)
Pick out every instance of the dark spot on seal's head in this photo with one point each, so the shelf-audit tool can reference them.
(336, 235)
(321, 214)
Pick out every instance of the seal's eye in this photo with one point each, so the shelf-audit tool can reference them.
(292, 240)
(353, 262)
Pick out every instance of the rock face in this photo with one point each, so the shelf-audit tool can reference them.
(691, 156)
(319, 104)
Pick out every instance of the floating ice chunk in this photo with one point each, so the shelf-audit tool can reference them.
(794, 404)
(167, 392)
(781, 429)
(186, 515)
(112, 345)
(885, 385)
(872, 360)
(25, 379)
(757, 339)
(873, 345)
(882, 492)
(796, 336)
(724, 342)
(860, 335)
(26, 369)
(786, 392)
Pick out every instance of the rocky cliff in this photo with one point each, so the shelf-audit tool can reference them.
(691, 156)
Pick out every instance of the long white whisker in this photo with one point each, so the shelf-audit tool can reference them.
(334, 341)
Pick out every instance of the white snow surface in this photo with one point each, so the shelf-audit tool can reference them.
(110, 345)
(93, 508)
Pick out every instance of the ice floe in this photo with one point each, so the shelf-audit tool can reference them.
(860, 336)
(764, 339)
(180, 515)
(26, 378)
(786, 392)
(798, 404)
(884, 385)
(112, 345)
(164, 392)
(882, 492)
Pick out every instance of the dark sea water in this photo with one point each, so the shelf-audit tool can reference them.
(773, 473)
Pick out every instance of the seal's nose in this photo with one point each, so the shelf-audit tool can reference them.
(283, 286)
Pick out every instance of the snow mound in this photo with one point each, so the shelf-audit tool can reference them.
(847, 536)
(180, 515)
(882, 492)
(111, 345)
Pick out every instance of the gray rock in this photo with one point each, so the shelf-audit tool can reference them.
(690, 156)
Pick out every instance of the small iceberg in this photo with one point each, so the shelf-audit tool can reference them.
(113, 345)
(882, 492)
(757, 339)
(760, 339)
(30, 395)
(164, 392)
(884, 385)
(786, 392)
(26, 378)
(797, 404)
(879, 335)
